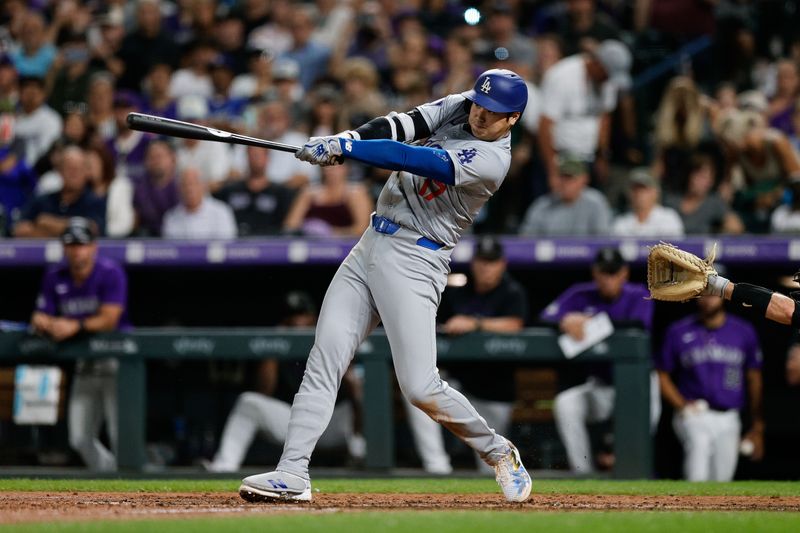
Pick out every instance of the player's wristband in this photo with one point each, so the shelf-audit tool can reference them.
(352, 134)
(746, 295)
(716, 285)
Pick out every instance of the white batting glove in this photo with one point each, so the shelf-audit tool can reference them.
(322, 151)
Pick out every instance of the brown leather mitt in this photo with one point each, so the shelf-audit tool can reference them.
(677, 276)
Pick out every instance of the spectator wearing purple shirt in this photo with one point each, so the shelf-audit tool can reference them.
(86, 295)
(593, 401)
(709, 364)
(128, 146)
(157, 192)
(156, 88)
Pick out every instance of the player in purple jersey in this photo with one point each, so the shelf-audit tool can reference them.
(610, 293)
(86, 294)
(709, 363)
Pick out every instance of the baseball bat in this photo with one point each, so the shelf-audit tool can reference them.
(187, 130)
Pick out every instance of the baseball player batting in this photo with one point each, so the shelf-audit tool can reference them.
(396, 273)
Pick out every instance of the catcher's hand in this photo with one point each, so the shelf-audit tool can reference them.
(677, 276)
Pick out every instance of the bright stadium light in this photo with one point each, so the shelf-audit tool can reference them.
(472, 16)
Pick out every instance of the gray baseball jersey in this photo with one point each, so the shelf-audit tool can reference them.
(435, 210)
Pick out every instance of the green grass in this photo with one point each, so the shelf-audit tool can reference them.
(438, 486)
(448, 522)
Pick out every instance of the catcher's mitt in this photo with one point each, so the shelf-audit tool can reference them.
(677, 276)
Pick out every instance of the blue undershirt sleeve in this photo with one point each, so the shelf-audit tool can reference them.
(424, 161)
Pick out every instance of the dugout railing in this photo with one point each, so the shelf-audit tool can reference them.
(628, 350)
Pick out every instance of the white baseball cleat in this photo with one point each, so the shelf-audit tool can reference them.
(275, 486)
(512, 476)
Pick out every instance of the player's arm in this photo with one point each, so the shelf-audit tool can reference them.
(670, 392)
(573, 324)
(754, 395)
(501, 324)
(43, 317)
(762, 301)
(413, 125)
(403, 127)
(41, 322)
(106, 319)
(461, 324)
(547, 148)
(427, 161)
(267, 377)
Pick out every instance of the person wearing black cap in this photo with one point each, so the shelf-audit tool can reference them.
(571, 208)
(86, 294)
(493, 302)
(610, 292)
(647, 217)
(266, 410)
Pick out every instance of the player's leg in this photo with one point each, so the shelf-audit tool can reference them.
(655, 402)
(571, 412)
(408, 308)
(84, 419)
(601, 408)
(497, 415)
(428, 440)
(253, 412)
(725, 454)
(110, 408)
(346, 317)
(407, 288)
(692, 429)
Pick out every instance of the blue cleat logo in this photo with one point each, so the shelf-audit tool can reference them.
(277, 484)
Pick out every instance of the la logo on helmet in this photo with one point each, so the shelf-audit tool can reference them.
(486, 86)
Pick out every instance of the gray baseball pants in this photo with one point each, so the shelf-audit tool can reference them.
(386, 278)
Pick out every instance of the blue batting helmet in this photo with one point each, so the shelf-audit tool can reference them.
(499, 90)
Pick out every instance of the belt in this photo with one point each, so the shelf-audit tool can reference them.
(390, 227)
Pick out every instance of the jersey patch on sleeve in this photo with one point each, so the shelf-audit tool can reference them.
(466, 155)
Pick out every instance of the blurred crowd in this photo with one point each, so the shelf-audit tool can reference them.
(645, 117)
